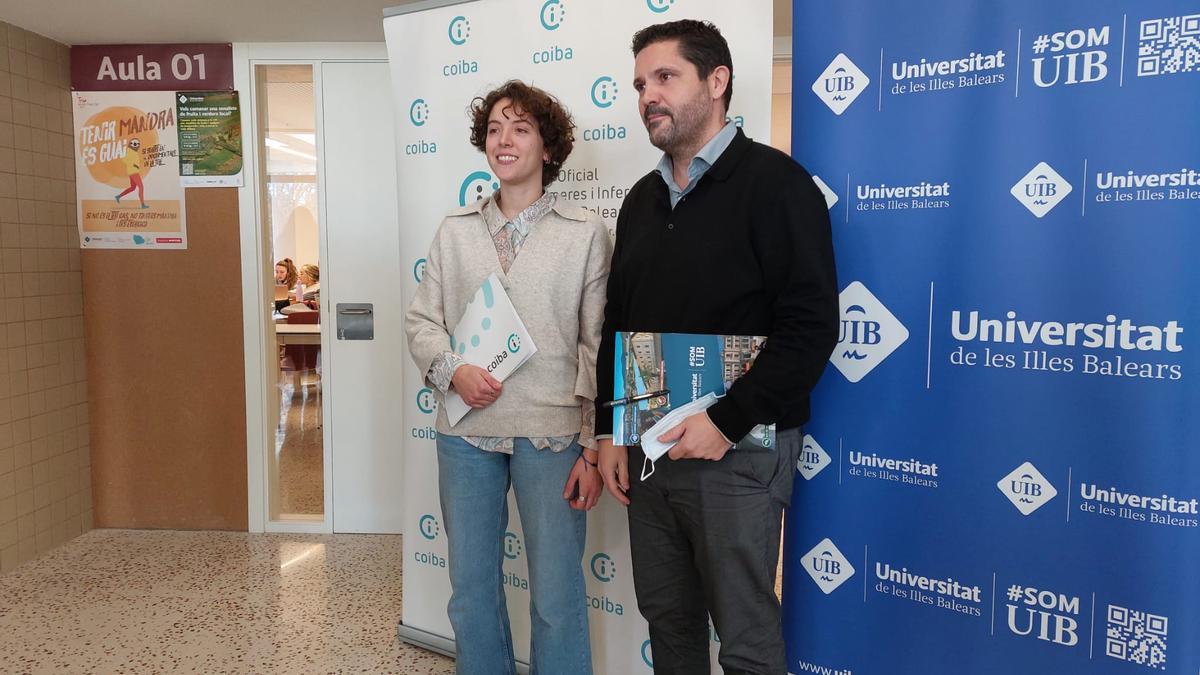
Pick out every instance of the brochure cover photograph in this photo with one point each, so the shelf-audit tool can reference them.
(683, 367)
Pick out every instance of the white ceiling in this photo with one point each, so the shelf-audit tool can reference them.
(79, 22)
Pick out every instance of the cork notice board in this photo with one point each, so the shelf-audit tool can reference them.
(166, 378)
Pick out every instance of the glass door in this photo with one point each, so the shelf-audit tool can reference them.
(289, 169)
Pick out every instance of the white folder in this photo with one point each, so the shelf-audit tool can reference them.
(489, 335)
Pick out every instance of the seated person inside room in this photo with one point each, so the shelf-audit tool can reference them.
(285, 279)
(310, 287)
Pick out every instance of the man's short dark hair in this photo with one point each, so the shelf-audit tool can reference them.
(700, 42)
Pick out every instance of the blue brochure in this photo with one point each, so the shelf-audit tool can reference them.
(686, 367)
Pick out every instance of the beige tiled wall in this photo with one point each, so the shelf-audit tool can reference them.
(45, 465)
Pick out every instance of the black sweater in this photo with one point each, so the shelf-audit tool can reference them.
(747, 252)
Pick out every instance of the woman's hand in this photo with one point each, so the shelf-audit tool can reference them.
(475, 385)
(584, 483)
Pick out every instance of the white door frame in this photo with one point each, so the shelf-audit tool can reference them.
(256, 268)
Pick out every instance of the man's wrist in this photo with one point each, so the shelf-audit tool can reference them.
(717, 428)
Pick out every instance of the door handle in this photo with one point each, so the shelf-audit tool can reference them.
(355, 321)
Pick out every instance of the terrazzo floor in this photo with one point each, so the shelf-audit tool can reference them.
(122, 601)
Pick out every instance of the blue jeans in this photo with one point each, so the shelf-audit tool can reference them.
(474, 495)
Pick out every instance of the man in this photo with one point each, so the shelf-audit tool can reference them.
(726, 236)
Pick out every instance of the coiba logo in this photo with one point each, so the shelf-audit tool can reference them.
(553, 13)
(646, 656)
(475, 187)
(603, 95)
(827, 566)
(512, 546)
(459, 30)
(426, 403)
(869, 333)
(813, 458)
(418, 112)
(514, 343)
(429, 527)
(1027, 488)
(419, 269)
(831, 197)
(603, 567)
(840, 84)
(1041, 189)
(659, 6)
(604, 91)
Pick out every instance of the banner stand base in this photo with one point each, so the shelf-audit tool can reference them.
(436, 643)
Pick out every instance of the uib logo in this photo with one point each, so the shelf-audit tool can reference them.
(419, 270)
(1043, 615)
(429, 527)
(1041, 189)
(418, 112)
(476, 186)
(1027, 488)
(512, 546)
(869, 333)
(459, 30)
(813, 458)
(604, 92)
(831, 197)
(1079, 56)
(603, 567)
(426, 402)
(552, 14)
(827, 566)
(659, 6)
(840, 83)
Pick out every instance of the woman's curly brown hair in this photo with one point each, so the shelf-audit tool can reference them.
(553, 121)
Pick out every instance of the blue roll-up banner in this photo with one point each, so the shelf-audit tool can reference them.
(1002, 470)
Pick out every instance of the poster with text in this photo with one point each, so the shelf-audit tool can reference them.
(210, 138)
(127, 170)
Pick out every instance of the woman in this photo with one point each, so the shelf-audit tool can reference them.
(286, 276)
(310, 276)
(310, 280)
(535, 430)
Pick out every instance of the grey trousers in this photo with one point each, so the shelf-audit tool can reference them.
(705, 540)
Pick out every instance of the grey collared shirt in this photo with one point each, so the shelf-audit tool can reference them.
(701, 163)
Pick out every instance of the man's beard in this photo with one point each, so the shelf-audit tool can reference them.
(683, 127)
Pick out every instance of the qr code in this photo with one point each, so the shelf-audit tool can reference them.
(1137, 637)
(1169, 45)
(187, 169)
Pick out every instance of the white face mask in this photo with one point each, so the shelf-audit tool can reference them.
(655, 449)
(646, 462)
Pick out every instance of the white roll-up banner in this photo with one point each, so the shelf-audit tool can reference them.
(442, 55)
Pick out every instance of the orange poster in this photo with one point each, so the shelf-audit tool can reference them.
(127, 170)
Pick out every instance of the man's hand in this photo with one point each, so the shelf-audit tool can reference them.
(584, 487)
(698, 438)
(614, 469)
(476, 386)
